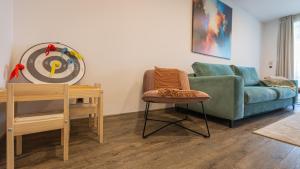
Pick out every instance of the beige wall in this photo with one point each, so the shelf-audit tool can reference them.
(121, 39)
(5, 48)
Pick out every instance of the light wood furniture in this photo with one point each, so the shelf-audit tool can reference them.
(38, 122)
(89, 108)
(81, 111)
(94, 108)
(80, 91)
(75, 91)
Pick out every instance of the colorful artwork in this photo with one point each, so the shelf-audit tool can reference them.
(212, 26)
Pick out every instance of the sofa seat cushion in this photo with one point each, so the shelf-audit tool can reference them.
(256, 94)
(284, 92)
(205, 69)
(175, 96)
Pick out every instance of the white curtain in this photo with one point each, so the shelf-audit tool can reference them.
(285, 49)
(296, 20)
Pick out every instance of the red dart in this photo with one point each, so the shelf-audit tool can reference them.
(50, 48)
(15, 72)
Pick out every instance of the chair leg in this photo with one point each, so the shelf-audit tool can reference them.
(206, 123)
(146, 118)
(168, 123)
(90, 120)
(205, 118)
(66, 140)
(95, 120)
(10, 150)
(19, 145)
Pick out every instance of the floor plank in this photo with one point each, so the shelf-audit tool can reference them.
(172, 148)
(291, 161)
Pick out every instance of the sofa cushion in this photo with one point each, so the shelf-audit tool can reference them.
(205, 69)
(249, 75)
(256, 94)
(284, 92)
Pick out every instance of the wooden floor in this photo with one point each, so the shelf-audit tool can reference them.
(172, 148)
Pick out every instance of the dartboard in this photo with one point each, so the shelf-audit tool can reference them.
(39, 65)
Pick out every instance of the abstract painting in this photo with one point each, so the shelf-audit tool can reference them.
(212, 27)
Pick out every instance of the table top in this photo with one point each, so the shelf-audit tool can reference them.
(75, 91)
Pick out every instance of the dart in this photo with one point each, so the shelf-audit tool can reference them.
(64, 51)
(76, 54)
(15, 72)
(55, 65)
(49, 49)
(70, 61)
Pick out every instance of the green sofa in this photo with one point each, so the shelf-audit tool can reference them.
(236, 92)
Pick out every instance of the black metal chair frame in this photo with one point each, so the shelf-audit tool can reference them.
(172, 123)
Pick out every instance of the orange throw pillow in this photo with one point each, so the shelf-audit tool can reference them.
(166, 78)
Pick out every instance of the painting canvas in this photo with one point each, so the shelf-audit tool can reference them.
(212, 27)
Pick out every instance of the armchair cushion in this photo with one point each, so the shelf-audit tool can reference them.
(166, 78)
(255, 94)
(205, 69)
(249, 75)
(174, 96)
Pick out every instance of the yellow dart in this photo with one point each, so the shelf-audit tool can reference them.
(55, 65)
(76, 54)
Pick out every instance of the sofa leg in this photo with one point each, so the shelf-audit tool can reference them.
(231, 124)
(293, 107)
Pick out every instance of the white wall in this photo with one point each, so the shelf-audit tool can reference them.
(121, 39)
(5, 48)
(6, 28)
(269, 47)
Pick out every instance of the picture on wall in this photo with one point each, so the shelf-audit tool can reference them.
(212, 27)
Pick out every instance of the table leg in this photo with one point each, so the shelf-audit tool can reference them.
(19, 140)
(90, 120)
(19, 146)
(100, 118)
(95, 121)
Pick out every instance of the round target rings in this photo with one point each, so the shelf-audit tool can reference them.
(61, 65)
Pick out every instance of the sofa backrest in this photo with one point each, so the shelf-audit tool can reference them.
(205, 69)
(249, 75)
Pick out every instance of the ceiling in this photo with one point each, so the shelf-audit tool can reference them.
(266, 10)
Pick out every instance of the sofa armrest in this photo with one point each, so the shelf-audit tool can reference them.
(296, 97)
(227, 95)
(296, 83)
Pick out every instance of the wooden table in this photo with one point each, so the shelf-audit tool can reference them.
(79, 91)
